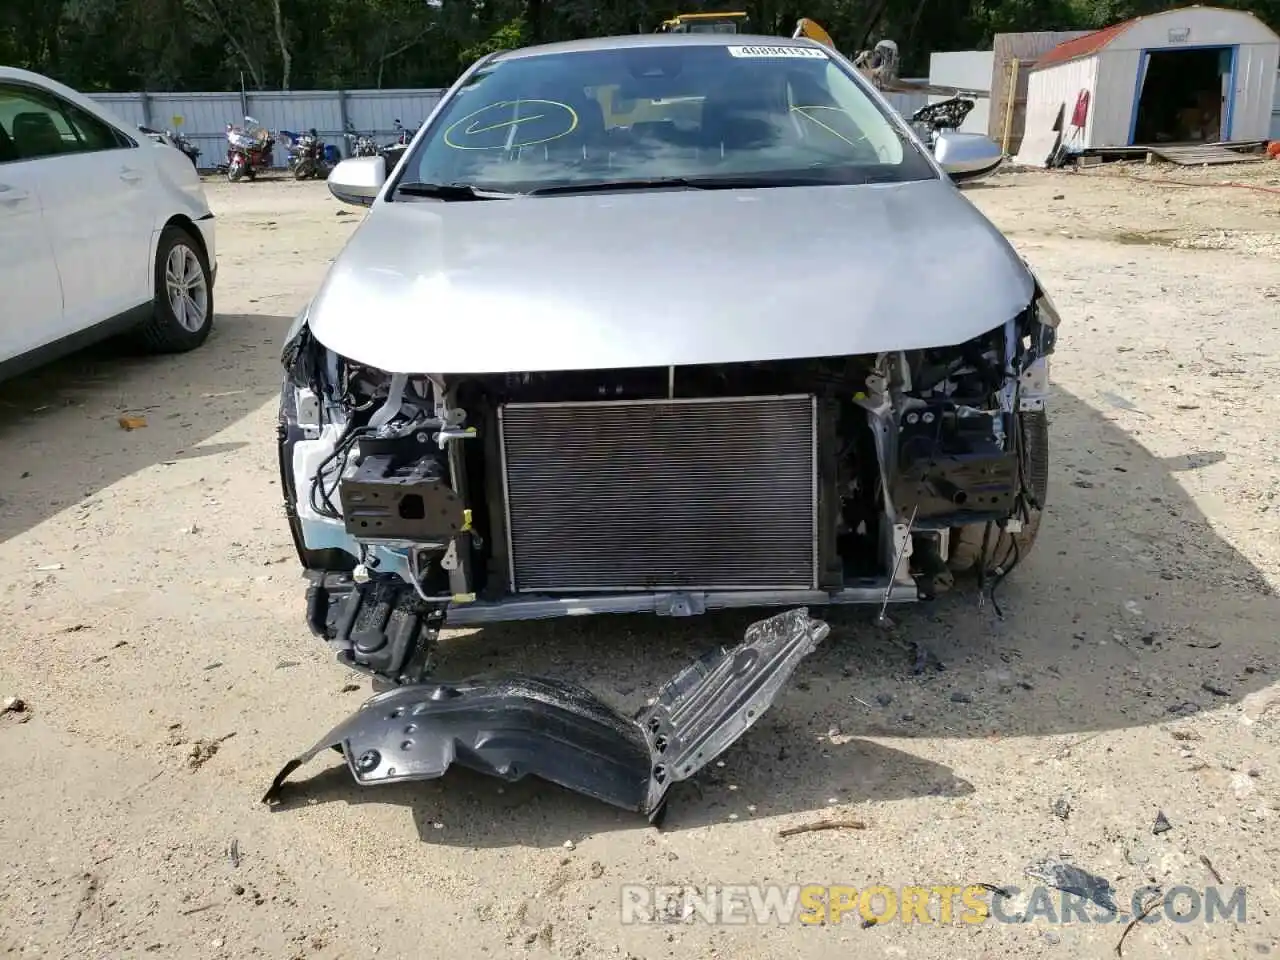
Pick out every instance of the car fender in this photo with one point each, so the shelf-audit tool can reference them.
(179, 193)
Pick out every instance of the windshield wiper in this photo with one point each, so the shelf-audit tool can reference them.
(450, 191)
(691, 183)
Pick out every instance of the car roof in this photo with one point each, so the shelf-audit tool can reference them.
(641, 40)
(29, 76)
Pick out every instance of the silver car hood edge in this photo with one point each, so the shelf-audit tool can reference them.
(666, 278)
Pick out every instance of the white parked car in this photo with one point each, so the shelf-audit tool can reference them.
(102, 230)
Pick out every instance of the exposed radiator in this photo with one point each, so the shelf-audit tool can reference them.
(661, 495)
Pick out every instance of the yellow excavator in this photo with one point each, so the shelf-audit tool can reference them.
(735, 22)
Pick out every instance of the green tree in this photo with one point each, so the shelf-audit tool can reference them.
(185, 45)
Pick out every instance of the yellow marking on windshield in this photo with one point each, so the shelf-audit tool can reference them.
(472, 130)
(804, 112)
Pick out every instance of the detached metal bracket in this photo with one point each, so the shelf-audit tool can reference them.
(1033, 386)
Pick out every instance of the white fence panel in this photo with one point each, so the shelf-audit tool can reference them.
(127, 106)
(298, 110)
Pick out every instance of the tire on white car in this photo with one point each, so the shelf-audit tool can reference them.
(183, 313)
(1004, 547)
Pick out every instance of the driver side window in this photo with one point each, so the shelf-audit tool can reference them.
(35, 125)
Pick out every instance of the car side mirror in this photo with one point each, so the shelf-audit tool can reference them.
(966, 156)
(358, 180)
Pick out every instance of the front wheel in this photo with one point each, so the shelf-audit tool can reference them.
(183, 313)
(235, 169)
(1003, 547)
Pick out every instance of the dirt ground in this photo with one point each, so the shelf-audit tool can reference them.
(155, 632)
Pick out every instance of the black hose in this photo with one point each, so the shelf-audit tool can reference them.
(1004, 572)
(341, 449)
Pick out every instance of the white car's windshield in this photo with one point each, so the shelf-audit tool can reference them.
(755, 115)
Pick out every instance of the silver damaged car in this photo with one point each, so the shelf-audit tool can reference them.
(658, 324)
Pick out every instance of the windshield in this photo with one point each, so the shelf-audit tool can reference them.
(764, 115)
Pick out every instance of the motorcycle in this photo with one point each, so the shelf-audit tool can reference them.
(360, 144)
(187, 147)
(176, 140)
(309, 156)
(392, 152)
(249, 149)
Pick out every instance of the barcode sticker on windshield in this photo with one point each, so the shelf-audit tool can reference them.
(811, 53)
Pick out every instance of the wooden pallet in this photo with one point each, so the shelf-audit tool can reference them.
(1183, 154)
(1195, 154)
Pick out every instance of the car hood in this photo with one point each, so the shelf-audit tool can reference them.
(666, 278)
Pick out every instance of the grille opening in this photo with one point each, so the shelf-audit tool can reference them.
(728, 526)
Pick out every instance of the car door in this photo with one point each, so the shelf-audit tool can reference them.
(94, 187)
(30, 289)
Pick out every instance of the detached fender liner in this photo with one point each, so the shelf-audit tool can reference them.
(560, 732)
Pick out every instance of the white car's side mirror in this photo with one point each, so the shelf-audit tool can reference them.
(966, 156)
(358, 180)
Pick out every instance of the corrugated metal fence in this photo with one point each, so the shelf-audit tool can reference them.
(203, 117)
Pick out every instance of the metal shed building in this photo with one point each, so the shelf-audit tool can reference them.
(1193, 75)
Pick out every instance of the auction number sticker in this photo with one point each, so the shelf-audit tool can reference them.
(810, 53)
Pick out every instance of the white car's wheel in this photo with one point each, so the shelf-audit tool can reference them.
(183, 298)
